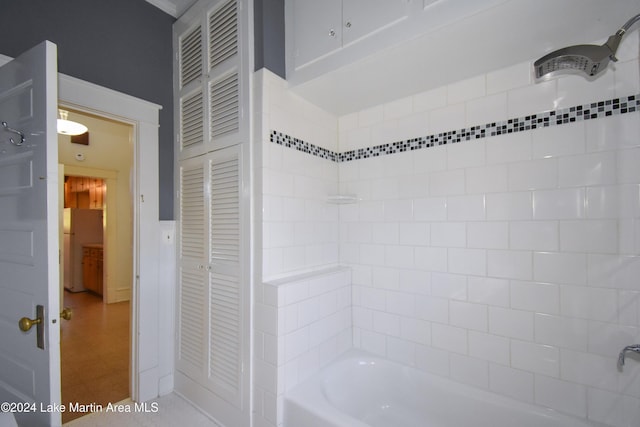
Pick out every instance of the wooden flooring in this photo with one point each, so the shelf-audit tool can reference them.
(94, 352)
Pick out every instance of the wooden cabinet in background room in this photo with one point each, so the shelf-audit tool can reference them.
(92, 268)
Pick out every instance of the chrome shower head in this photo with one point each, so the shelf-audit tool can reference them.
(584, 58)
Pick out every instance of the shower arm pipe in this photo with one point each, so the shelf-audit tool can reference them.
(628, 24)
(614, 41)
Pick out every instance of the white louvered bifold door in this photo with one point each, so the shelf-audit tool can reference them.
(212, 71)
(190, 98)
(192, 248)
(223, 33)
(212, 86)
(226, 320)
(190, 54)
(226, 88)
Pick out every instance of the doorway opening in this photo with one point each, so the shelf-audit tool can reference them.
(97, 238)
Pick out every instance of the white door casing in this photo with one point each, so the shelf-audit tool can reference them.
(151, 376)
(29, 270)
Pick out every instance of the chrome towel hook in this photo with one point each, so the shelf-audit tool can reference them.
(17, 132)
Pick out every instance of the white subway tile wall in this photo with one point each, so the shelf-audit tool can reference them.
(527, 245)
(510, 262)
(302, 323)
(299, 228)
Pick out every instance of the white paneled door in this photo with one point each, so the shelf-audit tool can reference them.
(29, 360)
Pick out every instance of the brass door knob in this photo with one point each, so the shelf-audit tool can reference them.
(66, 313)
(26, 324)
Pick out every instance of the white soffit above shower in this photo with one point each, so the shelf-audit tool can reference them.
(511, 32)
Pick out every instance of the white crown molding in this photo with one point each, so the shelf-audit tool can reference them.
(166, 6)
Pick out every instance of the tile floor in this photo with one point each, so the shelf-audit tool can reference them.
(94, 352)
(95, 369)
(170, 411)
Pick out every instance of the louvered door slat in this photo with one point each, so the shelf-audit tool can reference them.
(225, 101)
(192, 120)
(223, 34)
(225, 211)
(227, 87)
(223, 38)
(225, 367)
(191, 336)
(229, 49)
(191, 56)
(192, 213)
(192, 342)
(225, 292)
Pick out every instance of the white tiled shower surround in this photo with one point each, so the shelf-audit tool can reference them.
(510, 262)
(303, 322)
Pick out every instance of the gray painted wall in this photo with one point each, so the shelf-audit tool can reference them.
(125, 45)
(269, 41)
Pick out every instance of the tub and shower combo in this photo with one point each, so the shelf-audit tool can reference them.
(361, 390)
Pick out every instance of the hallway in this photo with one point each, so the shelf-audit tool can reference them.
(94, 352)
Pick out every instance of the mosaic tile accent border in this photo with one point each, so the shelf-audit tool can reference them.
(595, 110)
(306, 147)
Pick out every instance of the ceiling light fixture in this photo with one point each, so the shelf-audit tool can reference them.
(68, 127)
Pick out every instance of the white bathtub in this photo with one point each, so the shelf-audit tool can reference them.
(361, 390)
